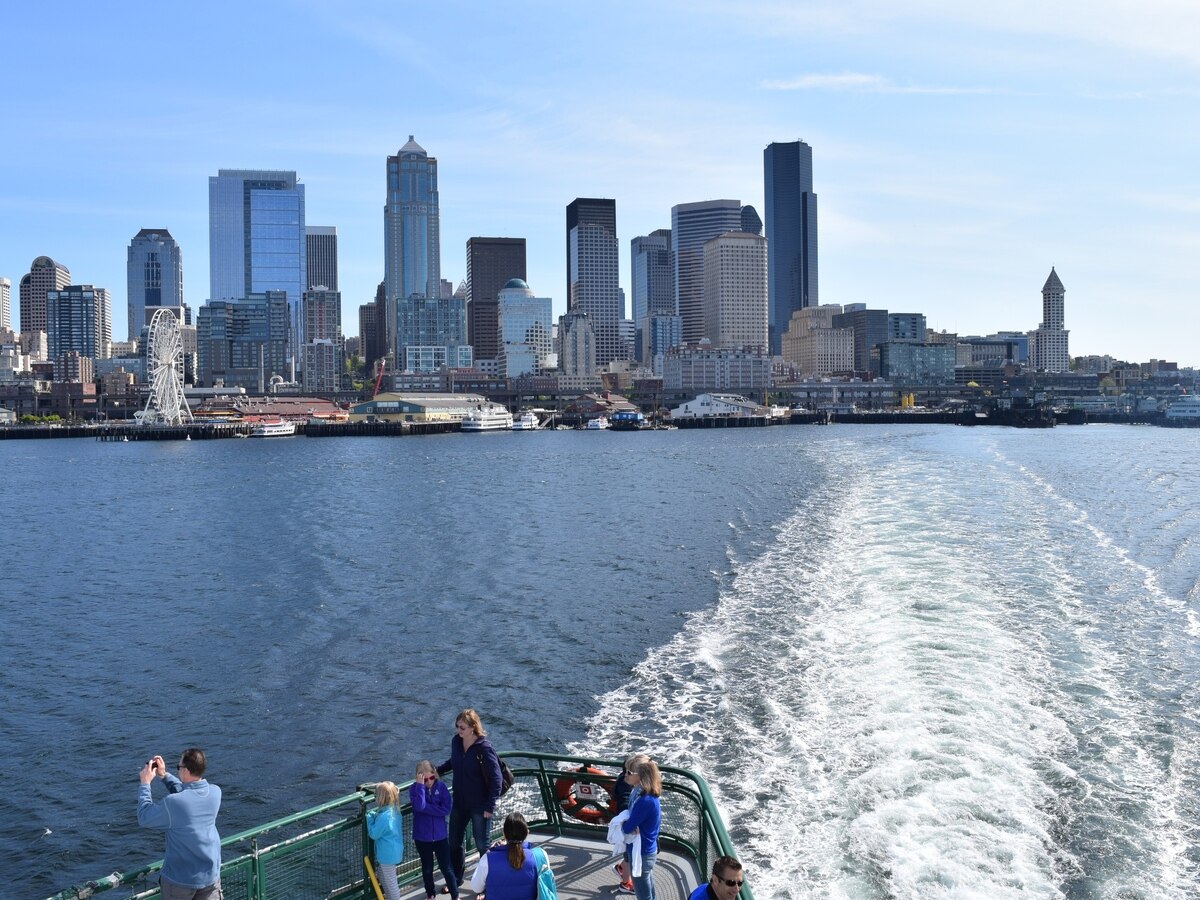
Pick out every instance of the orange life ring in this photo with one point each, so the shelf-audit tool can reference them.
(581, 798)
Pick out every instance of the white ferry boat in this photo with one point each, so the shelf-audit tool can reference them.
(273, 428)
(527, 421)
(598, 424)
(1185, 408)
(321, 852)
(489, 417)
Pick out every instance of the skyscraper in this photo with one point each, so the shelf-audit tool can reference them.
(791, 233)
(491, 263)
(44, 275)
(1048, 348)
(79, 319)
(735, 290)
(256, 240)
(320, 247)
(412, 262)
(593, 272)
(525, 330)
(652, 275)
(323, 350)
(751, 223)
(691, 225)
(5, 303)
(243, 343)
(154, 275)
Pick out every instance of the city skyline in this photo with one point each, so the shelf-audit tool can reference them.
(958, 154)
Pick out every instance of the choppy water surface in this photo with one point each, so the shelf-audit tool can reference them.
(913, 662)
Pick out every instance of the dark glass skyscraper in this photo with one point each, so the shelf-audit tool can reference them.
(321, 244)
(154, 278)
(491, 263)
(412, 256)
(791, 234)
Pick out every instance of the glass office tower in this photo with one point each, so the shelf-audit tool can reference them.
(791, 234)
(154, 276)
(412, 261)
(256, 239)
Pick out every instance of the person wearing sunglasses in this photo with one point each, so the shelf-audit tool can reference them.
(727, 881)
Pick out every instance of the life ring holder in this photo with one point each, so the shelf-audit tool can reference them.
(578, 796)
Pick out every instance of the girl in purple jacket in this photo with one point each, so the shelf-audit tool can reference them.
(430, 799)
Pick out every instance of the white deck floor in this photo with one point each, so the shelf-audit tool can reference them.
(583, 871)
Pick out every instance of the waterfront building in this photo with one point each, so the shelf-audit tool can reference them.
(154, 277)
(256, 240)
(693, 368)
(906, 327)
(593, 272)
(814, 346)
(5, 303)
(244, 342)
(735, 290)
(79, 319)
(657, 335)
(710, 404)
(913, 362)
(692, 224)
(321, 256)
(870, 330)
(420, 408)
(412, 260)
(1048, 349)
(44, 275)
(323, 349)
(791, 207)
(432, 333)
(525, 324)
(491, 263)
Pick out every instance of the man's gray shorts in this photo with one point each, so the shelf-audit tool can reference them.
(176, 892)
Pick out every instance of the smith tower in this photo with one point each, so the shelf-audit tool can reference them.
(412, 264)
(791, 235)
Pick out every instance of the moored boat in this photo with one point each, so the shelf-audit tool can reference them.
(488, 417)
(600, 423)
(628, 420)
(527, 421)
(273, 428)
(1184, 409)
(320, 852)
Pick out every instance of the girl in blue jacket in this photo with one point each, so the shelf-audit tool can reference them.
(645, 817)
(385, 826)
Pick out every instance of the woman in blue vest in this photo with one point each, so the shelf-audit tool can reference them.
(509, 871)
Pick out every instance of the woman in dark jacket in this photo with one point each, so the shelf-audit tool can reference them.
(476, 787)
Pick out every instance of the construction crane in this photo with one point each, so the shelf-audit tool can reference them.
(378, 377)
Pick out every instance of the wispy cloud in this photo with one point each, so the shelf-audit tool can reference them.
(862, 83)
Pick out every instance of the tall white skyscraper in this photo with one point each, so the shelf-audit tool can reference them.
(691, 225)
(5, 303)
(593, 272)
(256, 239)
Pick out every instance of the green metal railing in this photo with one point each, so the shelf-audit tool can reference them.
(318, 853)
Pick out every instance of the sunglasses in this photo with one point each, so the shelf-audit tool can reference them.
(729, 882)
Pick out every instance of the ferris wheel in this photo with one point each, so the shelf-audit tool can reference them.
(166, 404)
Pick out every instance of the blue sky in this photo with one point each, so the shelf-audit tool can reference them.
(958, 152)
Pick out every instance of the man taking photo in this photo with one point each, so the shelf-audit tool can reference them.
(192, 863)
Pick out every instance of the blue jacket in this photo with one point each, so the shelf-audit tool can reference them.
(430, 806)
(476, 775)
(702, 893)
(189, 816)
(620, 793)
(506, 883)
(385, 826)
(645, 815)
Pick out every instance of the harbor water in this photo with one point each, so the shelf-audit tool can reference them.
(913, 661)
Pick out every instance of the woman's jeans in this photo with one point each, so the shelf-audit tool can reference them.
(643, 885)
(480, 828)
(441, 849)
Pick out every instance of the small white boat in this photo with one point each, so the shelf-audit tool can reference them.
(597, 424)
(273, 428)
(488, 417)
(527, 421)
